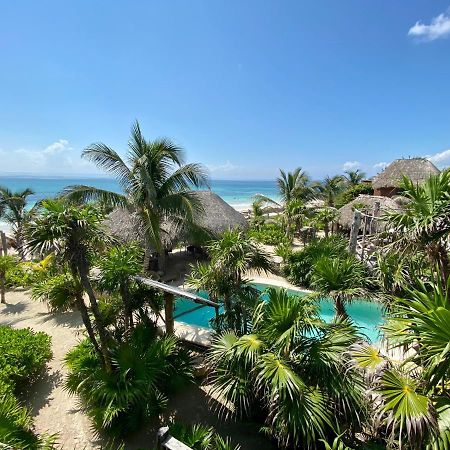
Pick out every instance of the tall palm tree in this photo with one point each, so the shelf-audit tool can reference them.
(155, 181)
(293, 185)
(293, 371)
(330, 188)
(342, 279)
(13, 206)
(354, 177)
(424, 222)
(71, 232)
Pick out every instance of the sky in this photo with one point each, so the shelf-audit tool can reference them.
(245, 87)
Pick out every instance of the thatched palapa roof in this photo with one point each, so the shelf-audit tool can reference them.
(418, 169)
(347, 212)
(217, 216)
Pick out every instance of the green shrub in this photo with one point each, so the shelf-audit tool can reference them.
(298, 265)
(146, 370)
(268, 234)
(200, 437)
(16, 427)
(26, 273)
(353, 192)
(23, 356)
(58, 291)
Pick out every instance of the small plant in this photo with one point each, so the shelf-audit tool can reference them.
(145, 371)
(22, 358)
(200, 437)
(269, 234)
(298, 266)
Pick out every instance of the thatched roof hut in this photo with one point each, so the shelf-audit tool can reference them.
(387, 182)
(347, 212)
(217, 216)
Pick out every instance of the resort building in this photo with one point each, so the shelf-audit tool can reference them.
(387, 183)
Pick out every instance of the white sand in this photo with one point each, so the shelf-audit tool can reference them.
(55, 411)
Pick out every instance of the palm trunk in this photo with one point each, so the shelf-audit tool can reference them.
(2, 288)
(340, 308)
(88, 325)
(97, 316)
(326, 229)
(128, 311)
(168, 311)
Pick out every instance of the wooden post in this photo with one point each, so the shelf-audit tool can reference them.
(168, 310)
(354, 232)
(4, 243)
(363, 246)
(376, 213)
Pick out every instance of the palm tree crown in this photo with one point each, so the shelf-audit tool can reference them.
(13, 211)
(155, 181)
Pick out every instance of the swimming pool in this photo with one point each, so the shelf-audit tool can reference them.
(365, 314)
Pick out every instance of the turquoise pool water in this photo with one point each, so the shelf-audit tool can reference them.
(365, 314)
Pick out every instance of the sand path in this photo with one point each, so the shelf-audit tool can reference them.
(55, 411)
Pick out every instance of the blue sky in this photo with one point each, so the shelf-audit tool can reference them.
(245, 87)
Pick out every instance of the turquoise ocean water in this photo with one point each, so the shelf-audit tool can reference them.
(237, 193)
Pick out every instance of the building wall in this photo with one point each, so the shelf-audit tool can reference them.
(386, 191)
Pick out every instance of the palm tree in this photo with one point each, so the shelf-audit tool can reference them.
(117, 268)
(424, 222)
(231, 257)
(330, 188)
(293, 371)
(411, 401)
(6, 263)
(354, 177)
(324, 217)
(293, 185)
(71, 231)
(156, 184)
(342, 279)
(13, 205)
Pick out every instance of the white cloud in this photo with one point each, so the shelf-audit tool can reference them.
(438, 28)
(351, 165)
(57, 158)
(226, 167)
(57, 147)
(441, 159)
(380, 166)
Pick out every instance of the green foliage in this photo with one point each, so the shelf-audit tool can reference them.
(145, 371)
(269, 234)
(60, 292)
(23, 356)
(16, 427)
(27, 273)
(353, 192)
(118, 265)
(293, 370)
(200, 437)
(157, 183)
(298, 266)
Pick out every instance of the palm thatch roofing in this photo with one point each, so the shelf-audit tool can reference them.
(347, 212)
(417, 169)
(217, 216)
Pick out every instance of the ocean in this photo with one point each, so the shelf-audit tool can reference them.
(238, 193)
